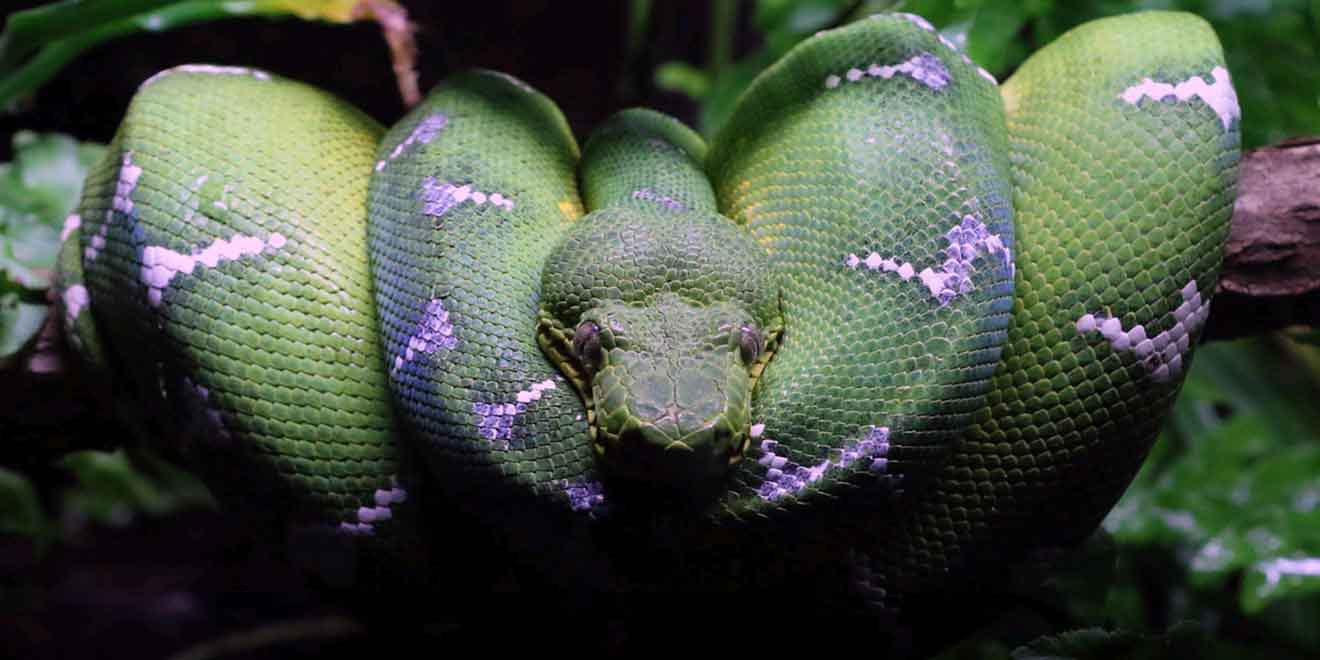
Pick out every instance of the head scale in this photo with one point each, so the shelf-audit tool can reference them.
(663, 322)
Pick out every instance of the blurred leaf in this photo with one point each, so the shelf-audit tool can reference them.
(941, 13)
(19, 323)
(37, 191)
(992, 39)
(783, 23)
(1273, 57)
(724, 91)
(1085, 576)
(113, 487)
(20, 508)
(25, 31)
(1235, 487)
(38, 42)
(682, 78)
(336, 11)
(32, 249)
(50, 168)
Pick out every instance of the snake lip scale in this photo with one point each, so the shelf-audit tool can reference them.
(896, 327)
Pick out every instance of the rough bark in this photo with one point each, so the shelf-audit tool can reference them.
(1271, 274)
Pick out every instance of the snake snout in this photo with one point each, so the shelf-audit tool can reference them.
(663, 454)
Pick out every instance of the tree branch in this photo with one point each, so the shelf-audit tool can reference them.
(1271, 273)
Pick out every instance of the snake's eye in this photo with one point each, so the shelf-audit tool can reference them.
(586, 344)
(750, 343)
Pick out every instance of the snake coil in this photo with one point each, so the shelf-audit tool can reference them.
(895, 309)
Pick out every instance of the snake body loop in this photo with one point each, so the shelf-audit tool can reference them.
(895, 310)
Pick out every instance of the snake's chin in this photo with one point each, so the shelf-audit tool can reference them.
(635, 455)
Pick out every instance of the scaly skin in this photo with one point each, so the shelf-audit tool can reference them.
(1130, 225)
(236, 304)
(659, 310)
(977, 303)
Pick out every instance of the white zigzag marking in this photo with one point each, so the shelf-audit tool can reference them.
(1218, 94)
(1162, 355)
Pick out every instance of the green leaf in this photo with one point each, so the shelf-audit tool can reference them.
(726, 89)
(38, 42)
(30, 255)
(37, 191)
(27, 30)
(1235, 488)
(1280, 578)
(784, 24)
(682, 78)
(20, 508)
(49, 167)
(114, 487)
(785, 20)
(992, 39)
(19, 324)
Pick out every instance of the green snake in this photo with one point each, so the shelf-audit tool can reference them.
(896, 315)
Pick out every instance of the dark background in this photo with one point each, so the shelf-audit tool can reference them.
(574, 52)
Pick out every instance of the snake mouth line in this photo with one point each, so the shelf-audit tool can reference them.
(679, 445)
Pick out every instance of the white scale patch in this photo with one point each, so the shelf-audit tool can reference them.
(423, 133)
(923, 68)
(583, 494)
(1162, 355)
(122, 202)
(968, 241)
(434, 332)
(368, 516)
(71, 224)
(208, 69)
(495, 420)
(649, 195)
(75, 299)
(160, 264)
(784, 477)
(926, 25)
(1218, 94)
(440, 196)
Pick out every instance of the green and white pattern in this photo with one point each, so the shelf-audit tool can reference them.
(895, 309)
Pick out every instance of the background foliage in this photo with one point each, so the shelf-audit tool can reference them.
(1213, 552)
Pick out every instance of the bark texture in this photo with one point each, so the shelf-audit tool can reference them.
(1271, 273)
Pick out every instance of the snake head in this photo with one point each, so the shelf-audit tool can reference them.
(665, 362)
(668, 384)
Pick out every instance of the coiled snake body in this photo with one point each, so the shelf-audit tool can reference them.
(896, 310)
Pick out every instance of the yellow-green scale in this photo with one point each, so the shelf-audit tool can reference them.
(252, 341)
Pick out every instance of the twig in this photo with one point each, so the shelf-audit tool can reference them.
(398, 30)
